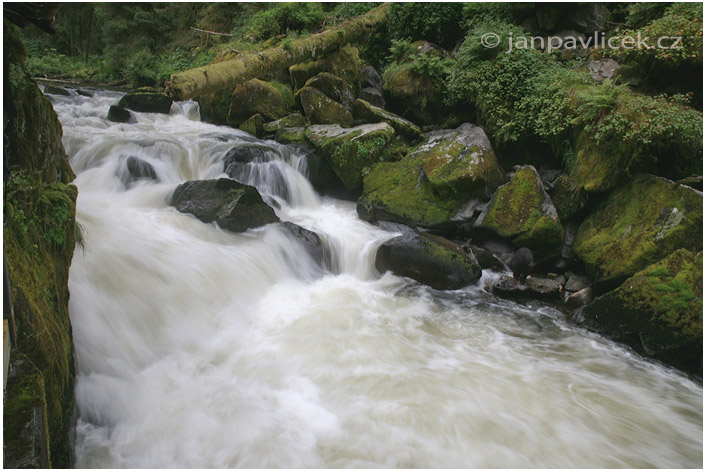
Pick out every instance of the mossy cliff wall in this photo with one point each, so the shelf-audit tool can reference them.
(39, 235)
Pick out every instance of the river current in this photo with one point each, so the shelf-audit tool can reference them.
(197, 347)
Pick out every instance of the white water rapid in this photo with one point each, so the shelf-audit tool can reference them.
(197, 347)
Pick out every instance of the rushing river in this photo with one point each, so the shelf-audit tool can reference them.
(197, 347)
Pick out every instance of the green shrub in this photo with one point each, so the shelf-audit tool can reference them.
(141, 69)
(284, 17)
(439, 23)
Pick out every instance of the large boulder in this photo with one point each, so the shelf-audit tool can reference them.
(233, 206)
(146, 100)
(258, 97)
(369, 77)
(288, 130)
(320, 109)
(333, 87)
(345, 63)
(372, 114)
(55, 90)
(428, 259)
(434, 181)
(637, 225)
(460, 163)
(522, 212)
(350, 151)
(253, 125)
(658, 311)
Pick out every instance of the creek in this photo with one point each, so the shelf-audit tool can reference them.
(198, 347)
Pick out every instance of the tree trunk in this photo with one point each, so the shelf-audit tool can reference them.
(226, 74)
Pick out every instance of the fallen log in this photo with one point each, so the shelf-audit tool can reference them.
(222, 75)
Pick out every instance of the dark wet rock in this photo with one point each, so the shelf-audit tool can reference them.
(488, 260)
(534, 287)
(311, 241)
(369, 77)
(139, 169)
(372, 96)
(577, 283)
(575, 300)
(522, 263)
(242, 154)
(428, 259)
(119, 115)
(84, 93)
(146, 100)
(54, 90)
(230, 204)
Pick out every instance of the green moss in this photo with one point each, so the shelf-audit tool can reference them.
(24, 393)
(401, 189)
(373, 114)
(344, 63)
(256, 97)
(353, 151)
(516, 212)
(661, 306)
(637, 225)
(568, 197)
(413, 95)
(320, 109)
(450, 254)
(253, 125)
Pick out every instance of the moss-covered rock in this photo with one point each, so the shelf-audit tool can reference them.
(350, 151)
(460, 163)
(54, 90)
(637, 225)
(428, 259)
(119, 115)
(415, 96)
(257, 97)
(288, 130)
(344, 63)
(253, 125)
(333, 87)
(146, 100)
(400, 192)
(658, 311)
(569, 199)
(320, 109)
(522, 212)
(39, 233)
(372, 114)
(233, 206)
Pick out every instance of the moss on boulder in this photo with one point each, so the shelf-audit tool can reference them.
(460, 163)
(522, 212)
(39, 233)
(372, 114)
(288, 130)
(253, 125)
(344, 63)
(257, 97)
(658, 311)
(415, 96)
(333, 87)
(637, 225)
(320, 109)
(350, 151)
(146, 100)
(569, 199)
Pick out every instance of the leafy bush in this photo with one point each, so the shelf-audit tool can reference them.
(284, 17)
(439, 23)
(141, 69)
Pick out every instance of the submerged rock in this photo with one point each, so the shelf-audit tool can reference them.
(428, 259)
(139, 169)
(146, 100)
(522, 212)
(350, 150)
(311, 241)
(232, 205)
(54, 90)
(637, 225)
(119, 115)
(658, 311)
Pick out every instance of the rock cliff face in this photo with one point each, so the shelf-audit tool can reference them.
(39, 238)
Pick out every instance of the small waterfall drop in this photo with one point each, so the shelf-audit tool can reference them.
(197, 347)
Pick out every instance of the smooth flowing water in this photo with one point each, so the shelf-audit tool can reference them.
(197, 347)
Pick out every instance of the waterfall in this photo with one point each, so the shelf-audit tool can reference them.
(197, 347)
